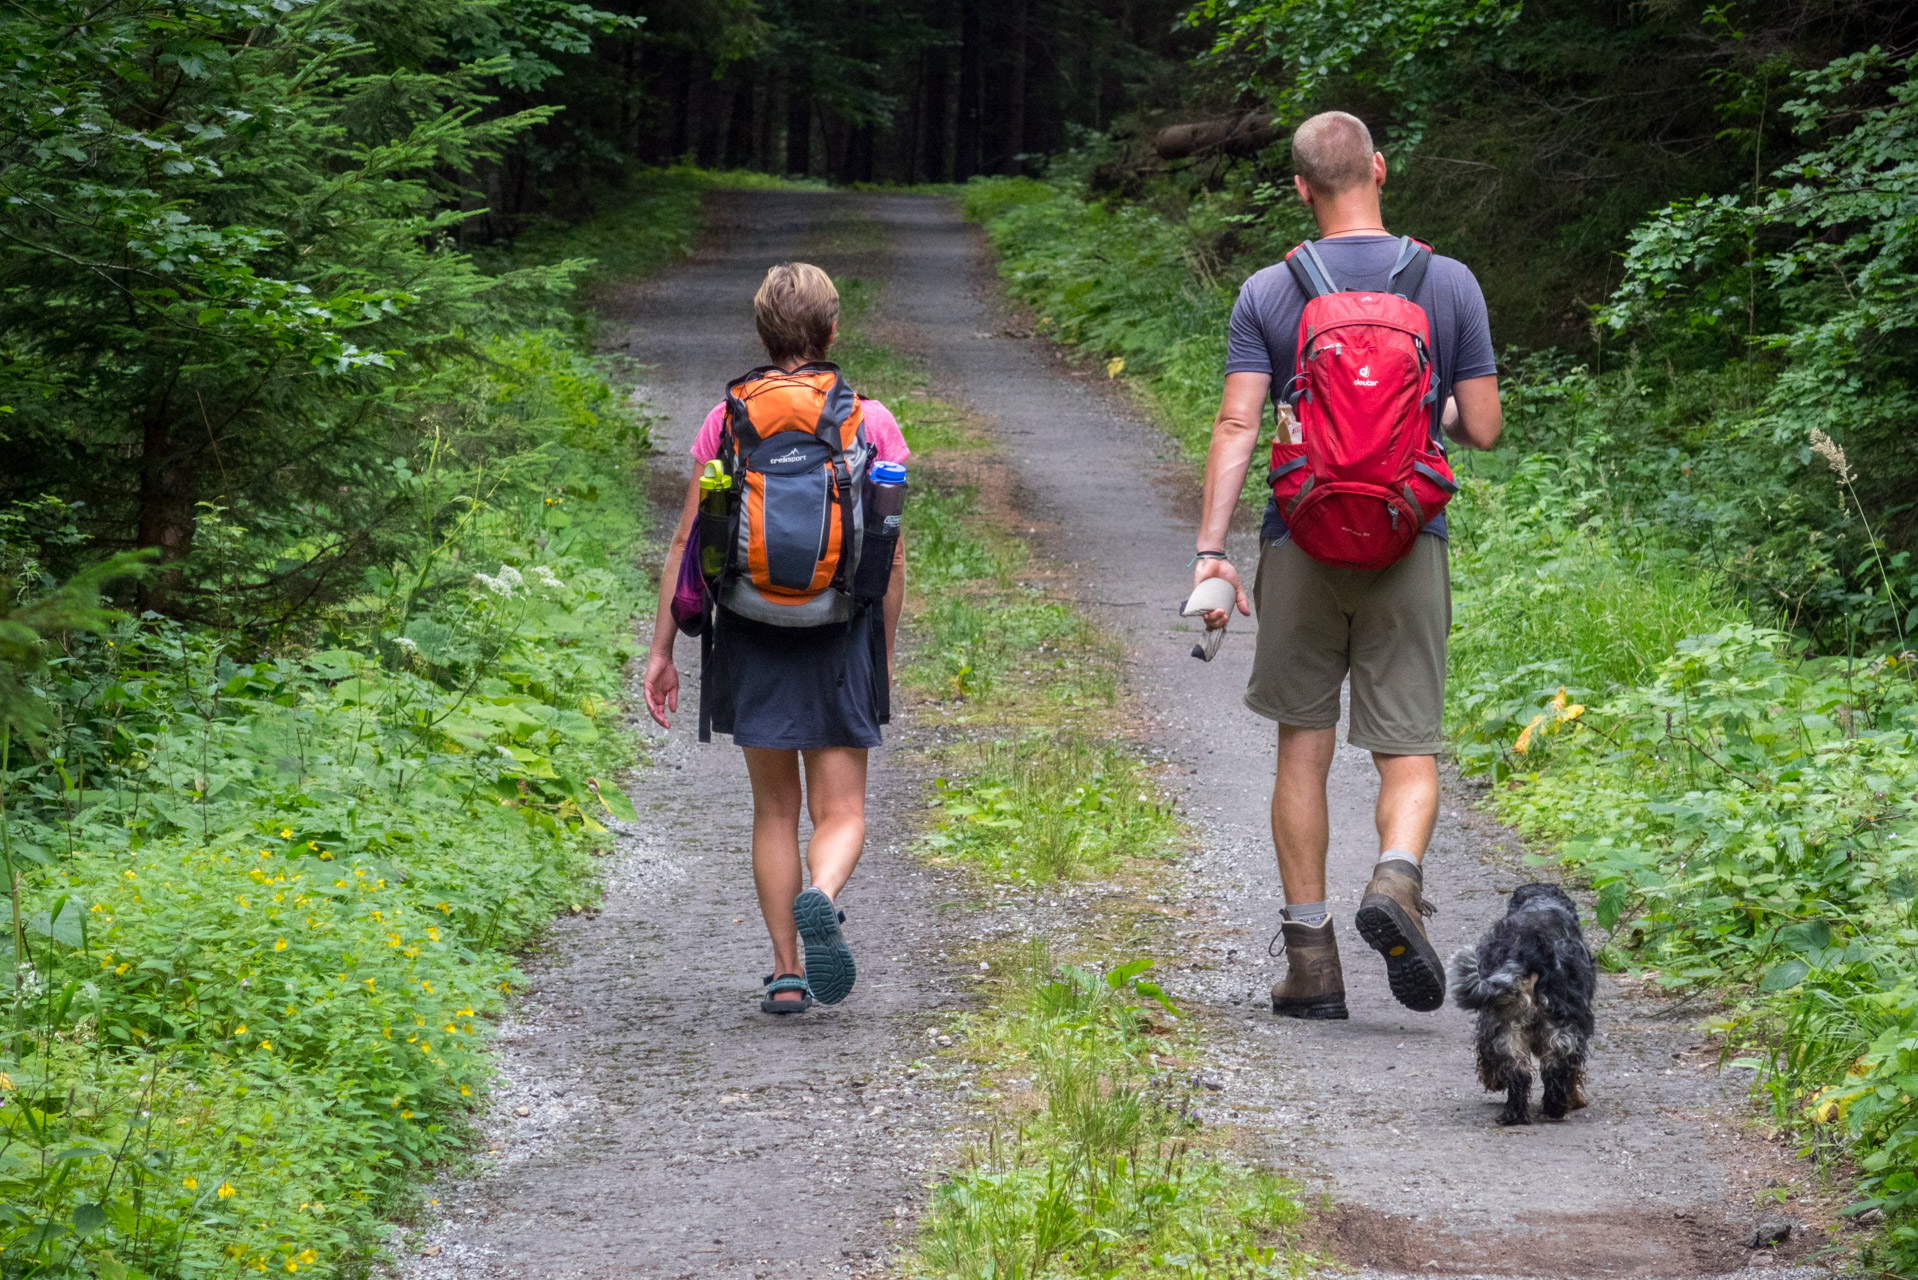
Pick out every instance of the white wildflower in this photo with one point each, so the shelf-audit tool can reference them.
(547, 579)
(504, 584)
(1829, 449)
(407, 643)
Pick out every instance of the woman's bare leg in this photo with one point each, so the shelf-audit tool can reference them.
(836, 798)
(776, 798)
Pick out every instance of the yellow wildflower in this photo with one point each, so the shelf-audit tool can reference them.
(191, 1184)
(226, 1191)
(279, 944)
(286, 833)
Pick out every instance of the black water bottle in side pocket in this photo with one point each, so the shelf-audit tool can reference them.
(885, 509)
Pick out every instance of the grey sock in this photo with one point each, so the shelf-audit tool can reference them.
(1400, 855)
(1312, 913)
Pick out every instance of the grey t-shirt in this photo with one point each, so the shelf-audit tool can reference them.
(1264, 334)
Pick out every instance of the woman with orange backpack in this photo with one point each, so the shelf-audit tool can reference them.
(788, 564)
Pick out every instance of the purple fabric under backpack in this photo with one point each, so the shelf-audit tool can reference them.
(690, 596)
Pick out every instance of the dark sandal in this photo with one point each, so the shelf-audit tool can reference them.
(829, 966)
(776, 983)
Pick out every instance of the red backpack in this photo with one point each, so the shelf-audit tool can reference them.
(1370, 471)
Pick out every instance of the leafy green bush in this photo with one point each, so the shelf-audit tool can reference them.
(1747, 817)
(265, 899)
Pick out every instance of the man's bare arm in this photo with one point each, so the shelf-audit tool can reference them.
(1235, 433)
(1479, 419)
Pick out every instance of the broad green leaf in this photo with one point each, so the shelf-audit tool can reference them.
(1784, 976)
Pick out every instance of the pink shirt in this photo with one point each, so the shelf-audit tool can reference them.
(882, 433)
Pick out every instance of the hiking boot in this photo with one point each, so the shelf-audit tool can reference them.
(1314, 985)
(1390, 920)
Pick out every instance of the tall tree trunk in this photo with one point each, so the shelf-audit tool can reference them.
(1016, 95)
(967, 148)
(165, 517)
(859, 153)
(738, 152)
(683, 137)
(765, 131)
(629, 97)
(932, 125)
(798, 133)
(713, 138)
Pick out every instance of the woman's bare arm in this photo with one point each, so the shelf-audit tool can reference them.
(661, 686)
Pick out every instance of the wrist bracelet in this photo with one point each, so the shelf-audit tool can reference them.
(1207, 555)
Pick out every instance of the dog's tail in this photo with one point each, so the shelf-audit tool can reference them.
(1474, 990)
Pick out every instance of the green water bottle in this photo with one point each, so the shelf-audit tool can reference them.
(715, 488)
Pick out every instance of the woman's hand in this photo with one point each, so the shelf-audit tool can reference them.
(661, 687)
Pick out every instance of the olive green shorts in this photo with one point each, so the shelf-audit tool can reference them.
(1386, 627)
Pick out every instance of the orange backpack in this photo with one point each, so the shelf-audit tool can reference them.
(796, 448)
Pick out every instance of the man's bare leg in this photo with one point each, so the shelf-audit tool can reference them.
(1408, 803)
(1301, 825)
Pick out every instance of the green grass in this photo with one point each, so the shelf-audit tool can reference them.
(1050, 807)
(1095, 1167)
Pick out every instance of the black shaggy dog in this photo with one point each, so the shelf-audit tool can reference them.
(1531, 981)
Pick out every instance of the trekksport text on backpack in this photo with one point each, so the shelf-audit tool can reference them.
(1370, 470)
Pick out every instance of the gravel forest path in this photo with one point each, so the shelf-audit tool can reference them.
(671, 1130)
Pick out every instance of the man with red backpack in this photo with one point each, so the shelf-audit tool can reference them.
(1372, 347)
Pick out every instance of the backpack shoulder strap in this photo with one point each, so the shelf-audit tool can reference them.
(1408, 271)
(739, 419)
(1309, 270)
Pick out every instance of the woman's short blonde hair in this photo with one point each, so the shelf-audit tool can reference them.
(795, 310)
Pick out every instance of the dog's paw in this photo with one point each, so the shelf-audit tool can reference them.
(1509, 1117)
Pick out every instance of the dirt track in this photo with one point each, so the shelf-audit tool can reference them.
(674, 1131)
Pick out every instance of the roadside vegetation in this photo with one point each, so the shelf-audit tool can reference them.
(1684, 583)
(270, 855)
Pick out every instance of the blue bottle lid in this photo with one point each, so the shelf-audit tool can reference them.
(888, 473)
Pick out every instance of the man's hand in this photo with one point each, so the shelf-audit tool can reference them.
(1235, 432)
(1211, 568)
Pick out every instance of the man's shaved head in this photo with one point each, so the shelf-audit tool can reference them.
(1332, 151)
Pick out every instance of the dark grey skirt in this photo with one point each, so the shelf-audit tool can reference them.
(799, 687)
